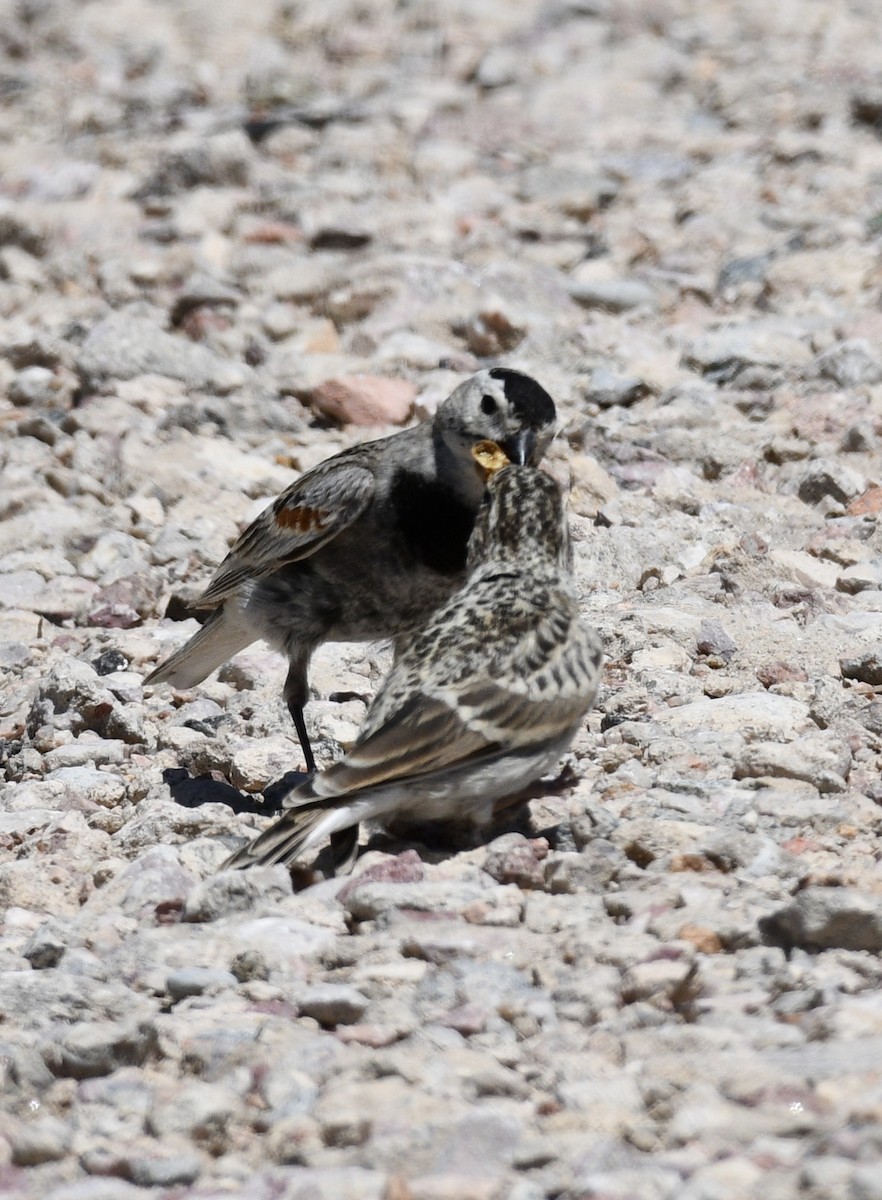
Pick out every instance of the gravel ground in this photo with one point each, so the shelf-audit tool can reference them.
(231, 238)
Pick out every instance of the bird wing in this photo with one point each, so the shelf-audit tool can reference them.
(422, 736)
(501, 707)
(306, 516)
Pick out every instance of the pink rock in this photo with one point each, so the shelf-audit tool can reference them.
(406, 867)
(365, 399)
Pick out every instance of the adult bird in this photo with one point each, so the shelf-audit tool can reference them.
(481, 703)
(367, 544)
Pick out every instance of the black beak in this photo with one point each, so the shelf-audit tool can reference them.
(520, 447)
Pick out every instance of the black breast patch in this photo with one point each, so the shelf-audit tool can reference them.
(434, 525)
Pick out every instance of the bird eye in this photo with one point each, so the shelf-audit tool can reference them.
(488, 405)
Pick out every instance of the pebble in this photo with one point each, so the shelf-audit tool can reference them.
(364, 399)
(44, 1140)
(612, 295)
(91, 1048)
(124, 347)
(333, 1004)
(608, 389)
(851, 363)
(820, 918)
(193, 981)
(865, 667)
(827, 480)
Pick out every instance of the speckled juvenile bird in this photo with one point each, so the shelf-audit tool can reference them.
(368, 543)
(483, 700)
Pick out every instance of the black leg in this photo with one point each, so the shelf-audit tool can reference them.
(296, 712)
(296, 694)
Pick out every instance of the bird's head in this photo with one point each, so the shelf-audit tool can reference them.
(498, 405)
(522, 521)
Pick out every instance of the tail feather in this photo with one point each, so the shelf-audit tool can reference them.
(296, 831)
(223, 635)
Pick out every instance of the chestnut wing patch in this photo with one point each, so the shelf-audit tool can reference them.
(304, 518)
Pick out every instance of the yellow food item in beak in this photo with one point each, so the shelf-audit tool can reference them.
(490, 458)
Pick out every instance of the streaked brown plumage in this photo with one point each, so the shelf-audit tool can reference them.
(481, 702)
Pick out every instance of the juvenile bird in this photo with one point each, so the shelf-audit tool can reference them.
(368, 543)
(483, 700)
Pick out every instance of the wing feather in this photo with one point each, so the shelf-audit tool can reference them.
(307, 515)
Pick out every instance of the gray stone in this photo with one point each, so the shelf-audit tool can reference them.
(850, 363)
(46, 945)
(200, 1111)
(713, 640)
(124, 346)
(861, 577)
(608, 389)
(369, 901)
(826, 479)
(612, 295)
(236, 892)
(163, 1170)
(333, 1004)
(193, 981)
(821, 918)
(866, 666)
(513, 859)
(93, 1048)
(44, 1140)
(822, 759)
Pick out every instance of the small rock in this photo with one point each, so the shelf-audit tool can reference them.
(612, 295)
(850, 363)
(70, 696)
(253, 768)
(369, 901)
(249, 965)
(109, 661)
(193, 981)
(865, 667)
(88, 783)
(46, 1139)
(512, 858)
(610, 390)
(806, 569)
(755, 715)
(46, 946)
(823, 918)
(714, 640)
(861, 577)
(124, 346)
(333, 1004)
(93, 1048)
(220, 160)
(365, 399)
(165, 1171)
(827, 479)
(780, 672)
(866, 106)
(201, 1111)
(823, 760)
(236, 891)
(124, 603)
(867, 504)
(37, 386)
(491, 333)
(406, 867)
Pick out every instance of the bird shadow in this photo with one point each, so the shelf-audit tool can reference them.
(192, 791)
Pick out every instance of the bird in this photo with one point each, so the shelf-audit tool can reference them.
(483, 700)
(368, 543)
